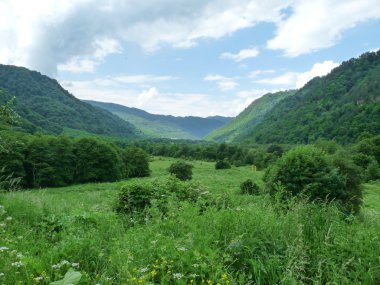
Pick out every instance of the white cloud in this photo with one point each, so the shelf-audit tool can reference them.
(257, 73)
(299, 79)
(318, 24)
(224, 83)
(157, 102)
(241, 55)
(77, 35)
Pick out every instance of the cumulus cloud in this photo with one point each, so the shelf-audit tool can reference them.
(299, 79)
(45, 34)
(318, 24)
(241, 55)
(224, 83)
(155, 101)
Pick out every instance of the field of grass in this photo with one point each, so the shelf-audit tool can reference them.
(240, 239)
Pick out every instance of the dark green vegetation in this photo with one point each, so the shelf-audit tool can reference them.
(181, 170)
(310, 172)
(238, 128)
(165, 126)
(44, 105)
(249, 187)
(47, 161)
(222, 164)
(234, 239)
(340, 106)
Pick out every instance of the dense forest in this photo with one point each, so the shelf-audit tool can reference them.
(45, 106)
(249, 118)
(340, 106)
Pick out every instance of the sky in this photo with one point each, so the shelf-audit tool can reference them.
(185, 57)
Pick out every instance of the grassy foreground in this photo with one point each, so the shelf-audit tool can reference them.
(240, 239)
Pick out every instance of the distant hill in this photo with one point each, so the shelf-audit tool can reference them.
(340, 106)
(249, 118)
(165, 126)
(45, 105)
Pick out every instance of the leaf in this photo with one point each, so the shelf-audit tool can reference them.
(71, 278)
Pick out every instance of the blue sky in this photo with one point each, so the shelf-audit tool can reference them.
(185, 57)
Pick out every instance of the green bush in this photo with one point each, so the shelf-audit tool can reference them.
(309, 171)
(138, 196)
(372, 171)
(249, 187)
(182, 170)
(135, 197)
(222, 164)
(136, 162)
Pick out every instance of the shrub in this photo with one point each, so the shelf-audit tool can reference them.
(138, 196)
(372, 172)
(135, 197)
(309, 171)
(222, 164)
(182, 170)
(136, 162)
(249, 187)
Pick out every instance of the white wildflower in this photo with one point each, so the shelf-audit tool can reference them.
(17, 264)
(55, 266)
(1, 274)
(181, 248)
(177, 275)
(142, 270)
(19, 255)
(9, 218)
(3, 248)
(39, 278)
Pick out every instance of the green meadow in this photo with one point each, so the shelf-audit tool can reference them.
(236, 239)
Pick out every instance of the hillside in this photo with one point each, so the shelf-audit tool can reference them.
(340, 106)
(45, 105)
(249, 118)
(165, 126)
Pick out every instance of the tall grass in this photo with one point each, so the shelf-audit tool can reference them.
(244, 240)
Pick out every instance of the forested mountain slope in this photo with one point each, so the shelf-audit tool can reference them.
(249, 118)
(165, 126)
(340, 106)
(46, 106)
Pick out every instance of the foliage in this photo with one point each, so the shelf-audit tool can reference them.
(250, 241)
(136, 162)
(45, 105)
(250, 117)
(71, 278)
(310, 172)
(222, 164)
(339, 106)
(163, 126)
(182, 170)
(249, 187)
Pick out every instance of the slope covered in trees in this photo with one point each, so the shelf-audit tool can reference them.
(340, 106)
(165, 126)
(249, 118)
(45, 105)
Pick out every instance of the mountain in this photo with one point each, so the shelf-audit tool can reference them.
(340, 106)
(249, 118)
(45, 105)
(165, 126)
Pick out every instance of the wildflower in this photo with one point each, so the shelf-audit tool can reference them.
(8, 218)
(38, 279)
(17, 264)
(19, 255)
(3, 248)
(177, 275)
(153, 273)
(142, 270)
(64, 262)
(193, 275)
(55, 266)
(1, 274)
(75, 265)
(181, 248)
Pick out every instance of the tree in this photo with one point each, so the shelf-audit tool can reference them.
(182, 170)
(136, 162)
(96, 161)
(309, 171)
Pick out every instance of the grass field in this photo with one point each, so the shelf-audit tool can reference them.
(240, 239)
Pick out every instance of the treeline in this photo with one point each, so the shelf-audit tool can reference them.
(259, 155)
(47, 161)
